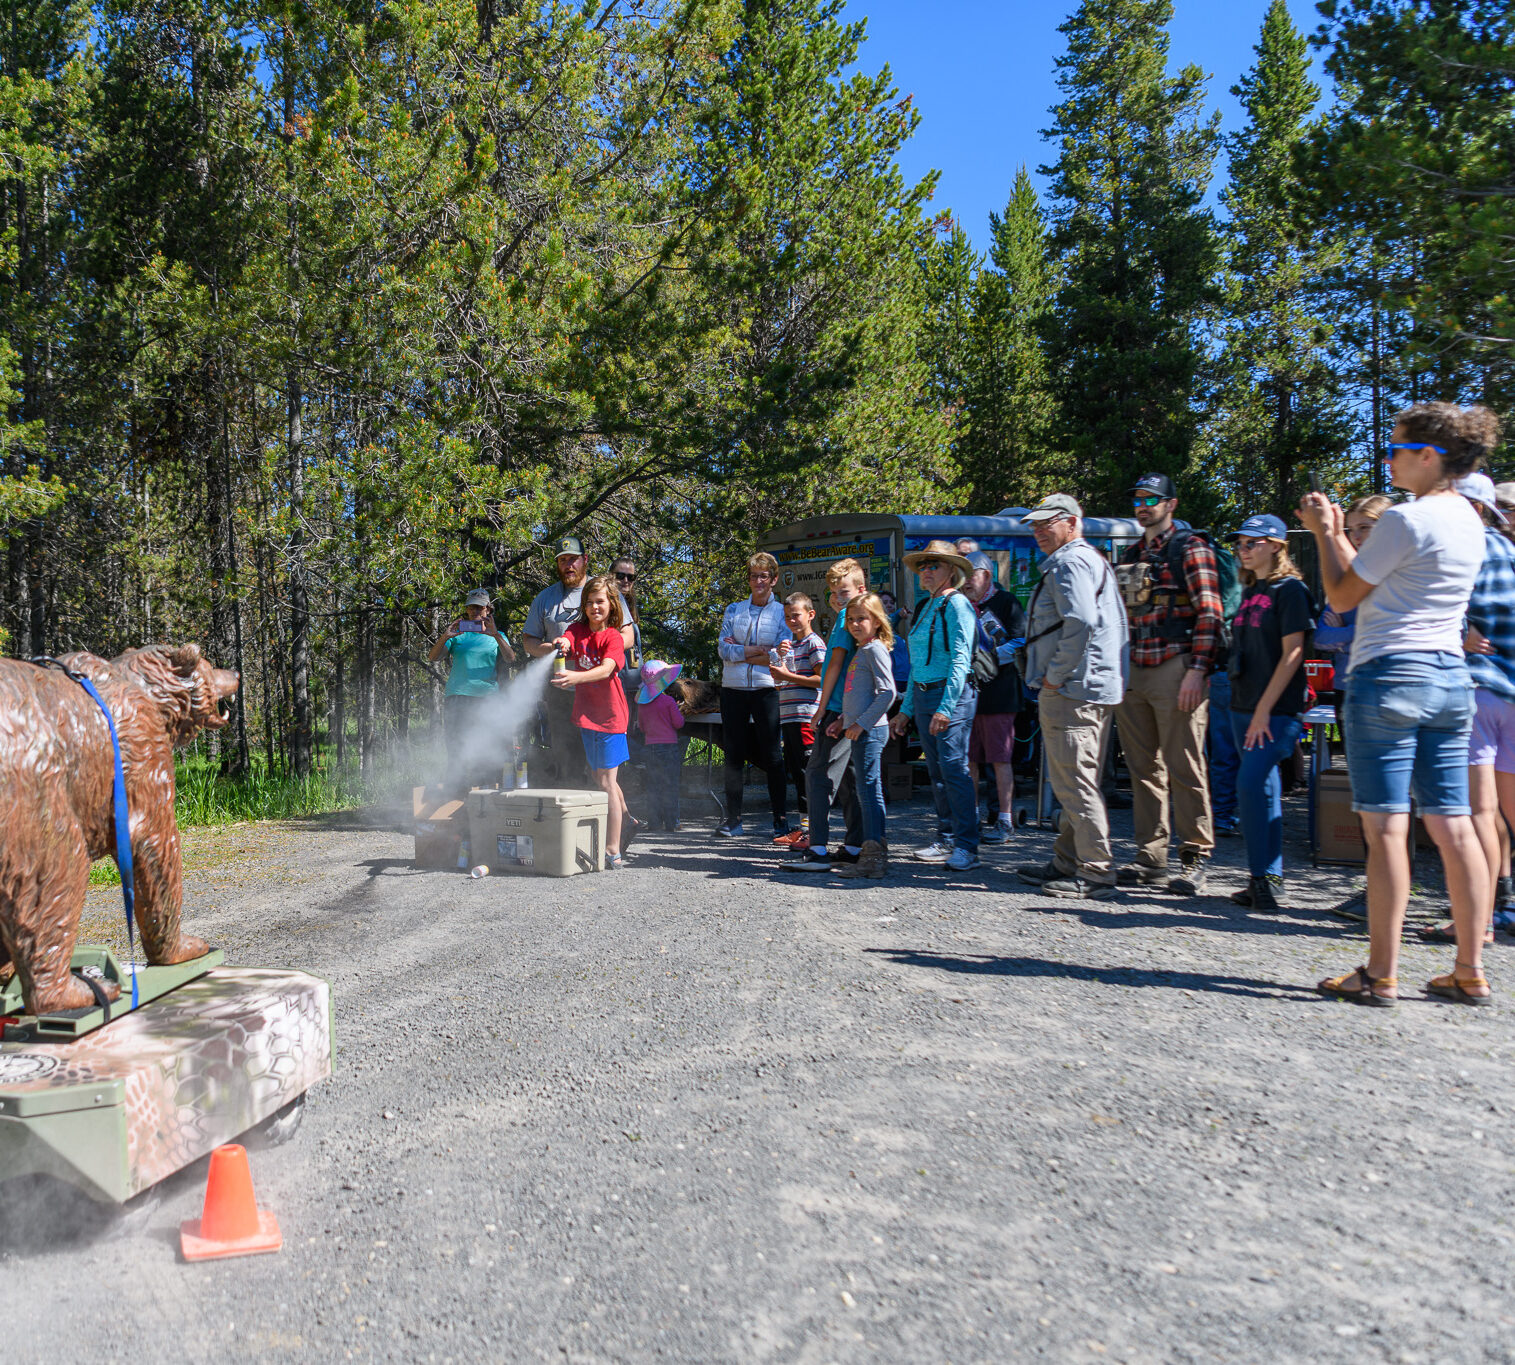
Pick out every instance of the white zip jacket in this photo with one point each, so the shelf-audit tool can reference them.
(750, 625)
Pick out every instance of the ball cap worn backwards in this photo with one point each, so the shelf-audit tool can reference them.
(1053, 506)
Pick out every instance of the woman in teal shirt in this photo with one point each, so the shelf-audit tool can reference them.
(475, 753)
(941, 700)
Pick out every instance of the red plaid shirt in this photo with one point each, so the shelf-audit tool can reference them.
(1201, 613)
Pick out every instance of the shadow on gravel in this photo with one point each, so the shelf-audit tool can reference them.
(390, 867)
(1220, 921)
(984, 964)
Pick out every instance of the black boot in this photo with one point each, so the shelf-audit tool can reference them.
(1261, 895)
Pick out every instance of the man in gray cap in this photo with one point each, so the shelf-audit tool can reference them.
(1077, 646)
(552, 611)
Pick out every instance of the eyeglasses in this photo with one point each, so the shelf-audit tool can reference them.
(1253, 544)
(1411, 445)
(626, 577)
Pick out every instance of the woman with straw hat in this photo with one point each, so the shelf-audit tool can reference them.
(941, 699)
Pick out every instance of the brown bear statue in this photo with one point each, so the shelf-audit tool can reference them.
(57, 775)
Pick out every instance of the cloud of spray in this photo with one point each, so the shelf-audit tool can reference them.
(506, 718)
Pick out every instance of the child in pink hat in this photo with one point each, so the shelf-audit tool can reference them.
(661, 720)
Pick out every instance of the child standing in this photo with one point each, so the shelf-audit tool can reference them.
(596, 655)
(866, 699)
(661, 720)
(799, 680)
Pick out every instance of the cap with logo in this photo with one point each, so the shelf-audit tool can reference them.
(1053, 506)
(1154, 486)
(569, 545)
(1265, 526)
(479, 597)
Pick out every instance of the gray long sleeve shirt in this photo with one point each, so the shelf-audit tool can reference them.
(1087, 656)
(869, 689)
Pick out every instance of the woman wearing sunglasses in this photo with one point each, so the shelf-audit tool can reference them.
(1409, 693)
(1267, 697)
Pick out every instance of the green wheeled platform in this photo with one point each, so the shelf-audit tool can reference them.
(209, 1053)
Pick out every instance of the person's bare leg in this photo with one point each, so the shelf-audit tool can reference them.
(1484, 799)
(1004, 780)
(1469, 888)
(604, 779)
(1504, 787)
(1388, 887)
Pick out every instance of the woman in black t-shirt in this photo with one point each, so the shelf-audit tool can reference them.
(1267, 696)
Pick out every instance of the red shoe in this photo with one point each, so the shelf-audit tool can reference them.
(794, 838)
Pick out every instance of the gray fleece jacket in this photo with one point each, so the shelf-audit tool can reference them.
(868, 692)
(1087, 651)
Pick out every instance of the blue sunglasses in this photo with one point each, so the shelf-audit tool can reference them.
(1412, 445)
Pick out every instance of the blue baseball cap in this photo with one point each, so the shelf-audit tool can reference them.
(1264, 526)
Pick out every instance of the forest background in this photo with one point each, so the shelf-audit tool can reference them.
(316, 313)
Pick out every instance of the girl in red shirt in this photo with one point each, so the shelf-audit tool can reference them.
(596, 655)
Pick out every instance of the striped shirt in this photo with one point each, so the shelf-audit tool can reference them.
(798, 703)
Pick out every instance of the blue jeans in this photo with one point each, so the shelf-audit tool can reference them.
(1225, 754)
(663, 766)
(868, 777)
(947, 762)
(1260, 789)
(1409, 719)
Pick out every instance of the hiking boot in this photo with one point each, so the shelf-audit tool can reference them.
(1191, 878)
(1139, 874)
(1037, 875)
(1260, 894)
(1076, 888)
(937, 852)
(872, 862)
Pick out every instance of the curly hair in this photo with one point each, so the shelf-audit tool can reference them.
(1468, 435)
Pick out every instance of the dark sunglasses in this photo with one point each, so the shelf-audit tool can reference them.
(930, 564)
(1253, 544)
(626, 577)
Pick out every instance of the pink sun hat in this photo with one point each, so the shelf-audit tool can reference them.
(657, 677)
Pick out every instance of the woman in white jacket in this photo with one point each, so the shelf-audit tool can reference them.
(749, 699)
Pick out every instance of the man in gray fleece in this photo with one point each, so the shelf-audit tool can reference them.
(1077, 650)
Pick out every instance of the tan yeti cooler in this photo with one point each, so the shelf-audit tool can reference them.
(549, 831)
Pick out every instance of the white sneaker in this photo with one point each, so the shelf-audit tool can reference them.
(938, 852)
(961, 860)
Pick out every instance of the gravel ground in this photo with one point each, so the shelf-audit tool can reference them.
(699, 1111)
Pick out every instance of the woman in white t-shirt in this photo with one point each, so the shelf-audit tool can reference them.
(1409, 694)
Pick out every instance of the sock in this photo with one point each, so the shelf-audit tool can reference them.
(1006, 821)
(819, 850)
(852, 850)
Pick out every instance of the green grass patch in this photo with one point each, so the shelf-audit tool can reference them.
(205, 797)
(104, 873)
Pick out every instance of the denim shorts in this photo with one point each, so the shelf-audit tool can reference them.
(1493, 742)
(604, 751)
(1409, 718)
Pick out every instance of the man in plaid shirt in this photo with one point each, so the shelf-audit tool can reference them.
(1162, 721)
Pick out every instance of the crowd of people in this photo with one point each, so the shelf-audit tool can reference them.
(1190, 651)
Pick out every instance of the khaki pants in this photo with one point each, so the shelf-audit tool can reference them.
(1074, 734)
(1165, 753)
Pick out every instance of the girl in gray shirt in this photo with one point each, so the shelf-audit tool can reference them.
(867, 695)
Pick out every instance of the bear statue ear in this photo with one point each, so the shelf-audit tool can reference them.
(184, 659)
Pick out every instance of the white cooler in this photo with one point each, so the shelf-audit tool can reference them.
(548, 831)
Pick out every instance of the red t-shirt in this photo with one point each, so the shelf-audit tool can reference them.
(598, 705)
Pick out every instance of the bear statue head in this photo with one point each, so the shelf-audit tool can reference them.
(188, 690)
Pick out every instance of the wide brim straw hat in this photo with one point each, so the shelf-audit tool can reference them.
(657, 678)
(943, 550)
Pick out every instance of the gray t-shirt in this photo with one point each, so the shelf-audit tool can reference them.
(1422, 559)
(556, 608)
(868, 689)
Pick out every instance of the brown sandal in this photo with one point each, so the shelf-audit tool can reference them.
(1445, 933)
(1364, 993)
(1448, 987)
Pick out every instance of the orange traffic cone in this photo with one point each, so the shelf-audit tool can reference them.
(231, 1224)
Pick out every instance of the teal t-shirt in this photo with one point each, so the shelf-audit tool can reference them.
(840, 638)
(474, 656)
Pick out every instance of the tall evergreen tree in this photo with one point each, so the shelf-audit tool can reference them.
(1008, 403)
(1136, 247)
(1279, 406)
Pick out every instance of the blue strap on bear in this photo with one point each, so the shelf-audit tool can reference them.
(123, 825)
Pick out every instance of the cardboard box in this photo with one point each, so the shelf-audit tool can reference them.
(899, 778)
(1338, 831)
(441, 825)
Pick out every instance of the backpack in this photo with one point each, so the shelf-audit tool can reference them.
(1228, 584)
(983, 666)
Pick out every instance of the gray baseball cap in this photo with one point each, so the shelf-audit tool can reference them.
(980, 560)
(1053, 506)
(479, 597)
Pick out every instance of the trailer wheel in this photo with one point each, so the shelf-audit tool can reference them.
(279, 1127)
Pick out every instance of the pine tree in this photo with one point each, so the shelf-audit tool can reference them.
(1279, 407)
(1004, 452)
(1136, 249)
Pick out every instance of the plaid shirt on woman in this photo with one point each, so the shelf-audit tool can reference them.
(1198, 607)
(1491, 612)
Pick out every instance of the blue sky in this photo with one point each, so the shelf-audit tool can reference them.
(982, 73)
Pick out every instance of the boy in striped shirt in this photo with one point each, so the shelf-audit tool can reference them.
(799, 682)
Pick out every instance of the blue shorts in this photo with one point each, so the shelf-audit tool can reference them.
(1409, 718)
(604, 751)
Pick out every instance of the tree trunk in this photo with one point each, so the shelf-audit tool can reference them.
(299, 606)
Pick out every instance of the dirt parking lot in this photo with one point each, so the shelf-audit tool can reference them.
(699, 1111)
